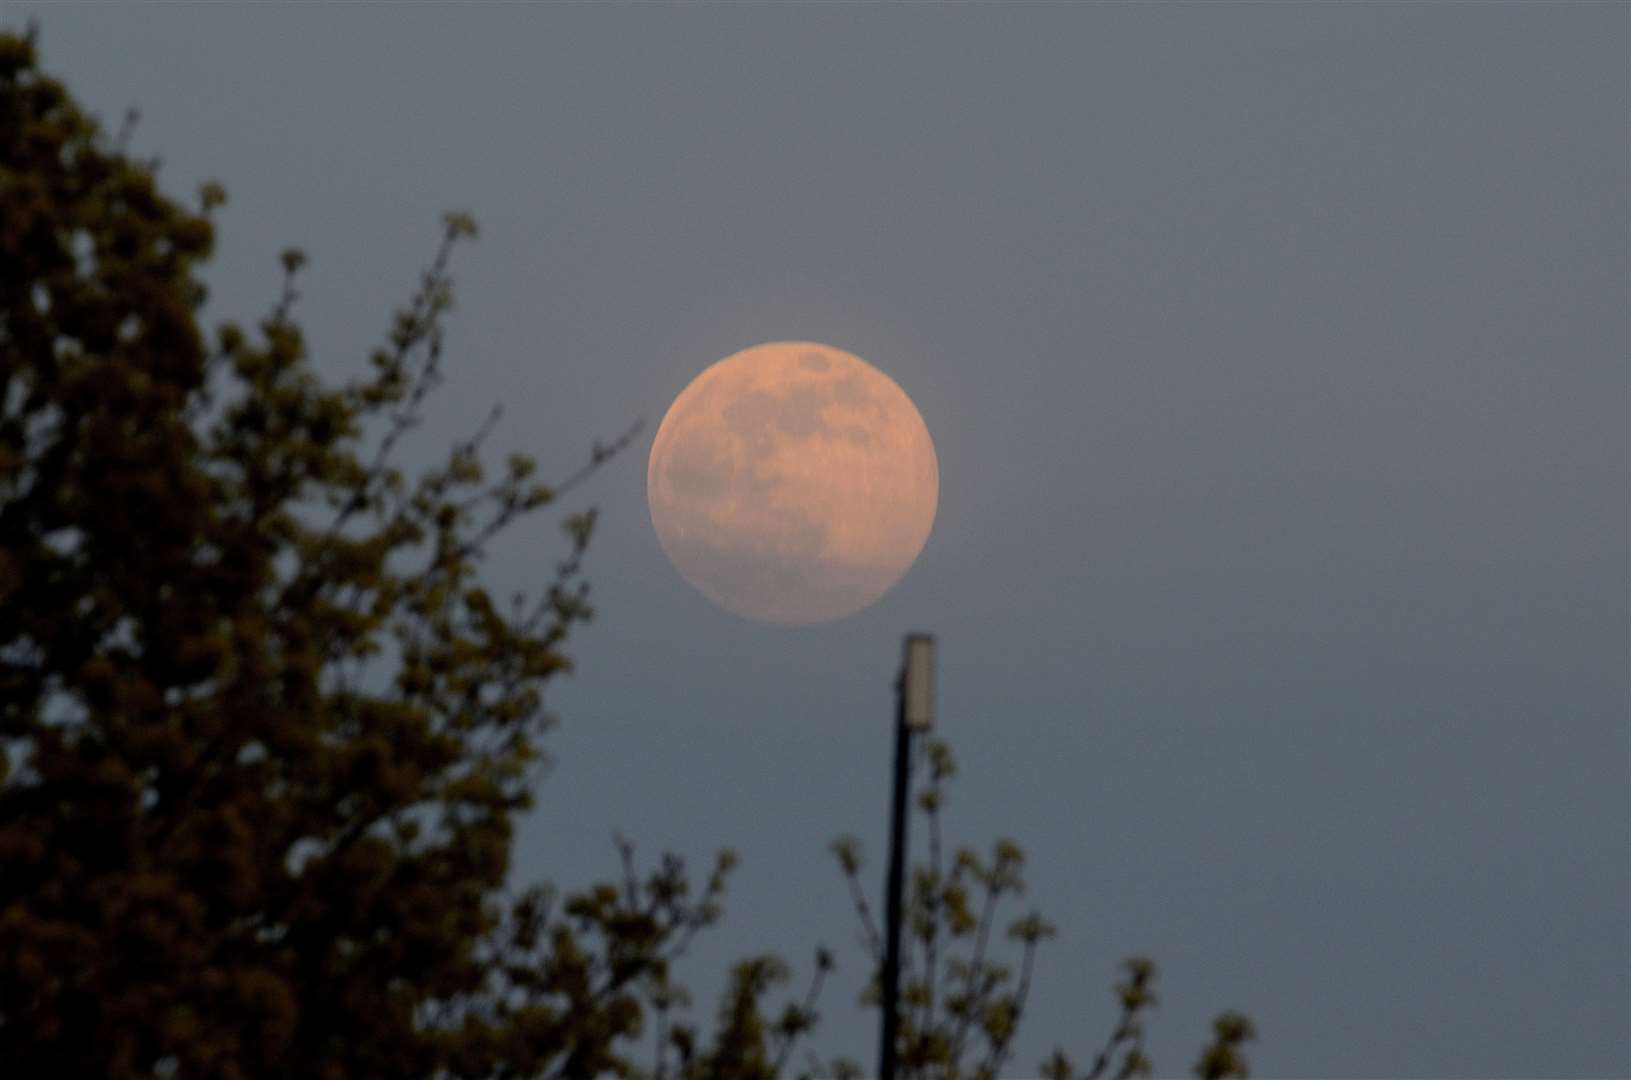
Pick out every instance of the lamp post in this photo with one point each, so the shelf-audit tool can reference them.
(914, 711)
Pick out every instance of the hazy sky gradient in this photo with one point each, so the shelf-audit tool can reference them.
(1276, 358)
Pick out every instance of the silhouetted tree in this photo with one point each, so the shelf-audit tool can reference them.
(263, 733)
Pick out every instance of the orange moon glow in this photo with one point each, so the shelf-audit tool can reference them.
(792, 483)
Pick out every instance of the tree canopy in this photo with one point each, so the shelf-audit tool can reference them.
(228, 844)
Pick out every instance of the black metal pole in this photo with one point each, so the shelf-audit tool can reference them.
(892, 901)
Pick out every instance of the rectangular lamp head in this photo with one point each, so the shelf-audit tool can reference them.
(918, 682)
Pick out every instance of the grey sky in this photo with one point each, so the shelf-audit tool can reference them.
(1276, 358)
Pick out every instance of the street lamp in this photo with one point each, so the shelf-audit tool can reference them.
(914, 711)
(919, 679)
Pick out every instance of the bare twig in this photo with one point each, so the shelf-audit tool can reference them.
(1000, 1049)
(850, 863)
(976, 970)
(415, 325)
(631, 882)
(806, 1011)
(931, 941)
(1135, 996)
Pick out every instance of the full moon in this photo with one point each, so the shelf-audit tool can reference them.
(792, 483)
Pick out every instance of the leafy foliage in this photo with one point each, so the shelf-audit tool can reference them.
(961, 1006)
(264, 732)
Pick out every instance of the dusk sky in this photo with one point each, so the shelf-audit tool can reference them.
(1276, 360)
